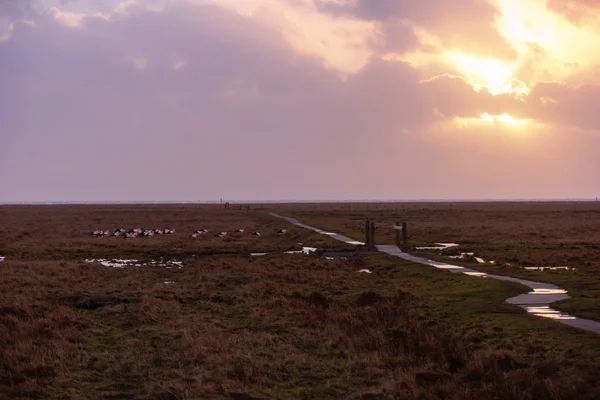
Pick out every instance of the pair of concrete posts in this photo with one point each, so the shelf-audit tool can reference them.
(401, 235)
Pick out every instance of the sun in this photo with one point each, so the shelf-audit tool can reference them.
(528, 26)
(503, 119)
(496, 120)
(483, 72)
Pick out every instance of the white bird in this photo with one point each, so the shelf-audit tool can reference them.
(282, 231)
(221, 234)
(257, 234)
(239, 231)
(119, 232)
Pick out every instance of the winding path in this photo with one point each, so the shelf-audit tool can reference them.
(536, 302)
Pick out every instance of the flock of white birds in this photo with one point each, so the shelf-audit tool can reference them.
(138, 232)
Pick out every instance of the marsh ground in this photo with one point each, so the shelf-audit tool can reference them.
(513, 234)
(230, 326)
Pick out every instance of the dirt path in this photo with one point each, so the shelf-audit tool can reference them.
(536, 302)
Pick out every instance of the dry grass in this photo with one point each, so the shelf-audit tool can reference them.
(62, 232)
(280, 326)
(275, 327)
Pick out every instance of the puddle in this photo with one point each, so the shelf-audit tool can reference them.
(123, 263)
(548, 312)
(535, 303)
(355, 242)
(258, 254)
(476, 273)
(462, 256)
(440, 246)
(548, 268)
(548, 291)
(448, 266)
(305, 250)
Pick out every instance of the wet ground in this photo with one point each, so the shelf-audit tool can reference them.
(536, 302)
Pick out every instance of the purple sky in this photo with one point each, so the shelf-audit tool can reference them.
(298, 99)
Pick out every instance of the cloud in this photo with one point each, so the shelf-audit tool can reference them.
(577, 11)
(200, 102)
(467, 26)
(14, 9)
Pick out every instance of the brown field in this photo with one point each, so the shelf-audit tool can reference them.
(228, 326)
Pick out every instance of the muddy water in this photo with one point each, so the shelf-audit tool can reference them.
(537, 302)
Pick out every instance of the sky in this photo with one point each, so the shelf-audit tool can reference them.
(163, 100)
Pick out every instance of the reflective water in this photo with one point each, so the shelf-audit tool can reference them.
(548, 268)
(305, 250)
(537, 302)
(547, 312)
(440, 246)
(122, 263)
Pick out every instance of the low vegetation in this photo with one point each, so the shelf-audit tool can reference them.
(231, 326)
(514, 235)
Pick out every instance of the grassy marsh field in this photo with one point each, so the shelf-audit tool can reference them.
(513, 234)
(280, 326)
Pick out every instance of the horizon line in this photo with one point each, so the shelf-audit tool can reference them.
(288, 201)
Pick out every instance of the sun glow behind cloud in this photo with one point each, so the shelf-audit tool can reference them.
(494, 75)
(487, 120)
(549, 47)
(553, 47)
(503, 118)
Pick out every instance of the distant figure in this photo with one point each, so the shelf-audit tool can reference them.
(227, 205)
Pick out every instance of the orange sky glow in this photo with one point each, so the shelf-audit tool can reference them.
(308, 85)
